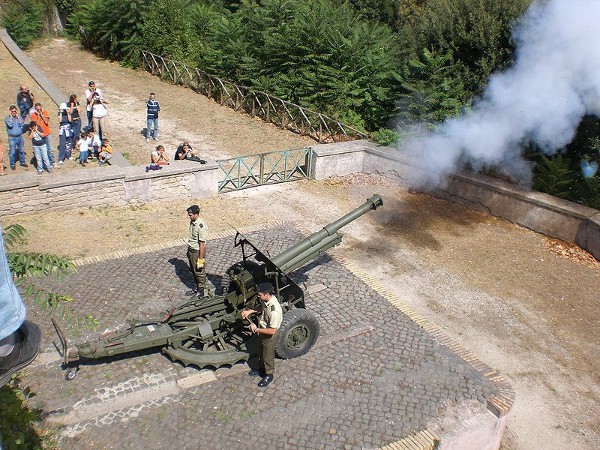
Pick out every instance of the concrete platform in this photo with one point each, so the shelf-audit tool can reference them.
(380, 376)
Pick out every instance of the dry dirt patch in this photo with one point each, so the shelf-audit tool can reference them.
(216, 131)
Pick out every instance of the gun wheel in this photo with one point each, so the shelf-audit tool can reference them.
(298, 332)
(71, 374)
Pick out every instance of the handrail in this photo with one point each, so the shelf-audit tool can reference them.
(282, 113)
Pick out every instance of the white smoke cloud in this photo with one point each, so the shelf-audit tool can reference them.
(542, 98)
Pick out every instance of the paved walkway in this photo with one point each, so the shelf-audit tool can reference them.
(375, 376)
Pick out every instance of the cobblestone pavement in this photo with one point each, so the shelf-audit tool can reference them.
(374, 377)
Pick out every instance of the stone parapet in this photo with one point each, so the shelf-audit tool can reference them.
(105, 186)
(540, 212)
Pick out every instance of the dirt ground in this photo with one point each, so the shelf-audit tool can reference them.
(525, 306)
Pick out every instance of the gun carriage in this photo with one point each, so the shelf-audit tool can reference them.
(210, 332)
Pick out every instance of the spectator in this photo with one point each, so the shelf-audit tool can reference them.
(65, 133)
(83, 147)
(99, 113)
(159, 156)
(105, 153)
(16, 144)
(184, 151)
(75, 111)
(40, 148)
(25, 101)
(19, 339)
(89, 99)
(153, 109)
(42, 119)
(94, 144)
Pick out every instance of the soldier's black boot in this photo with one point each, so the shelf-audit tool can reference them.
(265, 381)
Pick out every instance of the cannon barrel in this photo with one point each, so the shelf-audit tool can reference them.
(320, 241)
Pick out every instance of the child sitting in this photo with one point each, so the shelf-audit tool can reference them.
(94, 144)
(105, 153)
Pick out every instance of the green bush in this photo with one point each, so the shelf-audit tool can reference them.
(385, 136)
(18, 423)
(554, 176)
(432, 89)
(477, 32)
(24, 21)
(111, 28)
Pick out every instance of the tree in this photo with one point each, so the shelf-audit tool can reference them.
(111, 28)
(432, 89)
(478, 32)
(168, 30)
(24, 21)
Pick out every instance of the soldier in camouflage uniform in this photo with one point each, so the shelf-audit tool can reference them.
(198, 233)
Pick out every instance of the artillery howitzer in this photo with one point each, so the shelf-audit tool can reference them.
(210, 332)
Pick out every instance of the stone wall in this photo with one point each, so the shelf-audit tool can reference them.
(543, 213)
(103, 186)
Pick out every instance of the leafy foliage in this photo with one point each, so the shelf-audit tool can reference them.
(432, 89)
(111, 28)
(385, 136)
(555, 177)
(17, 421)
(24, 265)
(24, 21)
(477, 32)
(167, 31)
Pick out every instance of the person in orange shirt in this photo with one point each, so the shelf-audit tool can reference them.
(42, 119)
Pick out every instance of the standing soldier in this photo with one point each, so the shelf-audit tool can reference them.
(153, 108)
(196, 250)
(268, 324)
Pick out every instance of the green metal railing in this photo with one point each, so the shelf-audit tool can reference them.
(266, 168)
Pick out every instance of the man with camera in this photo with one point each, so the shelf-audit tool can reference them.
(41, 117)
(25, 101)
(14, 129)
(91, 94)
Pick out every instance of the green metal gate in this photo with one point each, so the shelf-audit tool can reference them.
(266, 168)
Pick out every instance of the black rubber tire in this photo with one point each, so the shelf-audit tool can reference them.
(297, 334)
